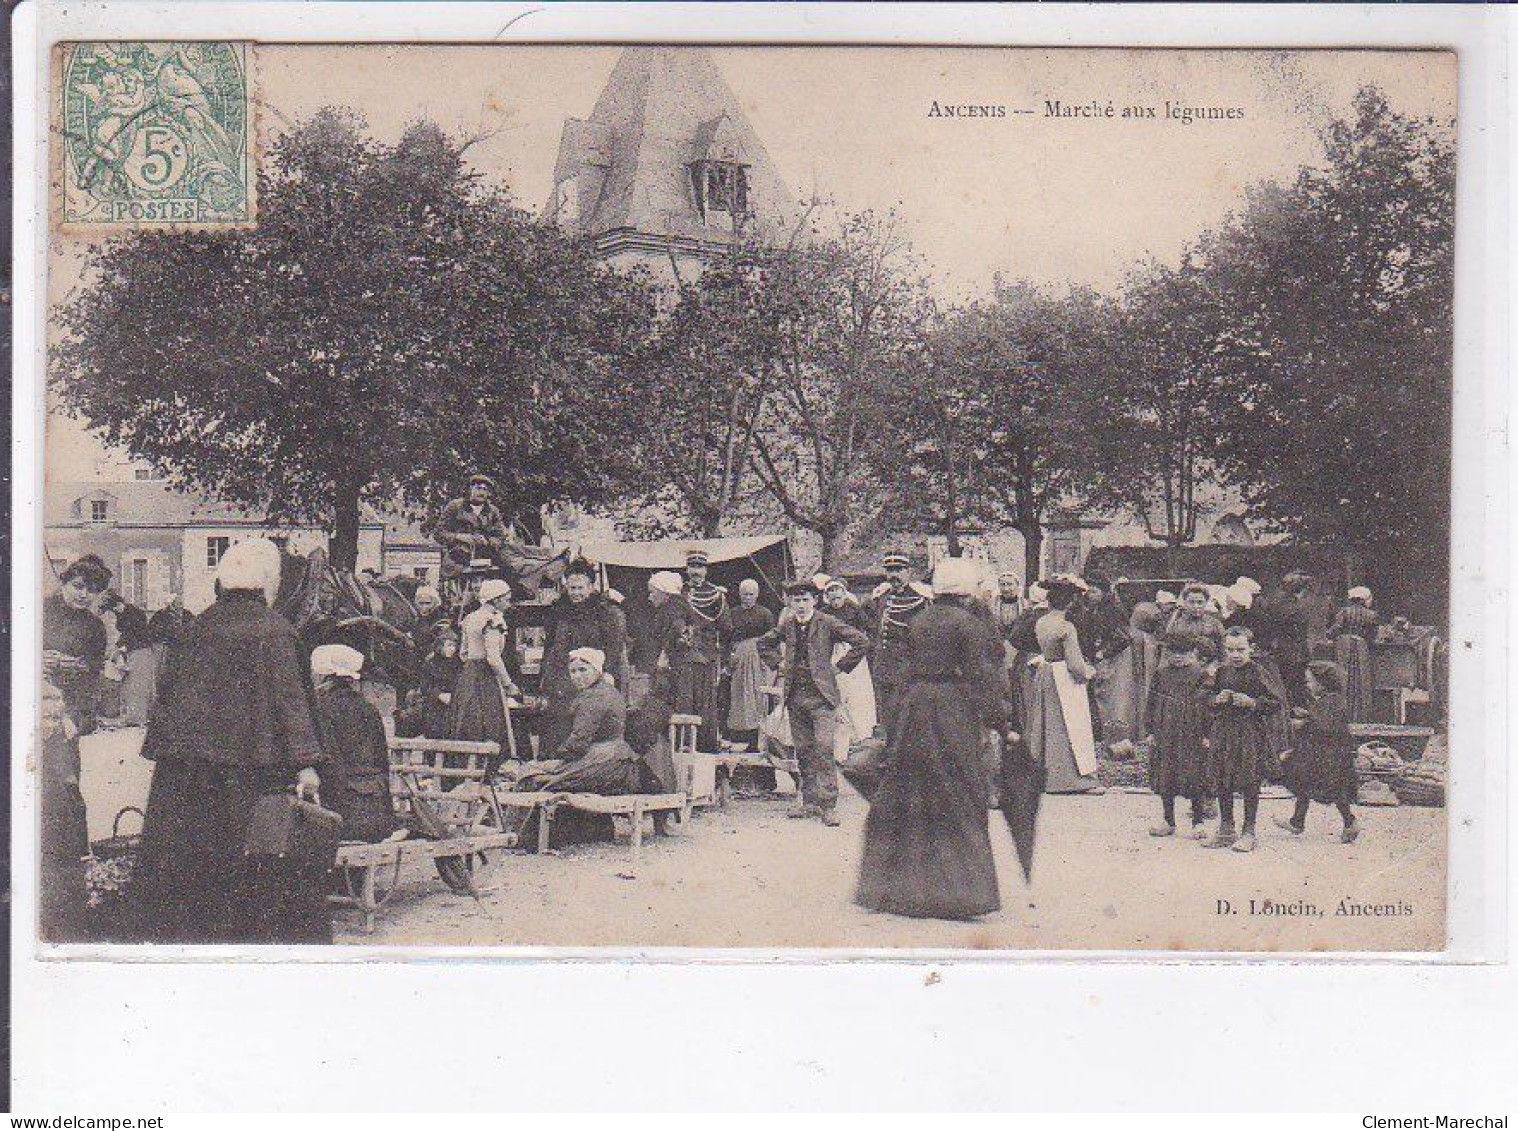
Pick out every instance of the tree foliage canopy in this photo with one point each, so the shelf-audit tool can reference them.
(387, 326)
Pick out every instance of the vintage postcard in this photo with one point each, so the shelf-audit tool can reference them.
(841, 498)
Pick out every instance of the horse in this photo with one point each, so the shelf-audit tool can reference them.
(379, 616)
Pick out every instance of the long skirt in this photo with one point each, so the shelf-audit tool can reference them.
(927, 847)
(478, 710)
(751, 675)
(611, 769)
(1178, 758)
(140, 686)
(1322, 770)
(1119, 685)
(856, 707)
(193, 883)
(1353, 655)
(1059, 731)
(1239, 750)
(695, 693)
(61, 893)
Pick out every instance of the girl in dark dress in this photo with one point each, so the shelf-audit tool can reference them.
(1240, 700)
(1177, 724)
(1322, 764)
(356, 780)
(927, 848)
(74, 645)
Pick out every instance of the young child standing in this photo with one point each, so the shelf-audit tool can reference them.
(1240, 702)
(1321, 766)
(1177, 727)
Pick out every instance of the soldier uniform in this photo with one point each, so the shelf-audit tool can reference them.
(893, 605)
(709, 620)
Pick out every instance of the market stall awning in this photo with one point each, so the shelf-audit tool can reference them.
(671, 554)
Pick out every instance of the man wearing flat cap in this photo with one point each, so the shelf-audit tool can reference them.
(892, 606)
(472, 530)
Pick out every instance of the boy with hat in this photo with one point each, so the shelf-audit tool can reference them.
(811, 694)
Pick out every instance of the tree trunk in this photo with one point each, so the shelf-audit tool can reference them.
(710, 524)
(829, 538)
(951, 535)
(342, 548)
(1033, 550)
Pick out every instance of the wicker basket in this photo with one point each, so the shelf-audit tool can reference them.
(116, 845)
(1419, 791)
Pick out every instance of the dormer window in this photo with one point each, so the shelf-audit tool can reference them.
(720, 187)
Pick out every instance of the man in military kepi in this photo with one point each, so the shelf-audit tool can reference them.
(892, 606)
(711, 624)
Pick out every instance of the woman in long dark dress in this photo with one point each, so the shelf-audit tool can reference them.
(356, 783)
(1351, 632)
(927, 847)
(233, 724)
(74, 644)
(1322, 763)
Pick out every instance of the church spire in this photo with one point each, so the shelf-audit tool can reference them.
(667, 161)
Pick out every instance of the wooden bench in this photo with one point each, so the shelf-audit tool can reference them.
(369, 861)
(443, 789)
(706, 777)
(634, 806)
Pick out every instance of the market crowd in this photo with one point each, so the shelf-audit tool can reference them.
(938, 697)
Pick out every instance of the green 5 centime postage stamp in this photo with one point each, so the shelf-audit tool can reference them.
(157, 135)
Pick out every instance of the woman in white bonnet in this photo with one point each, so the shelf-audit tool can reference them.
(1351, 633)
(927, 847)
(233, 723)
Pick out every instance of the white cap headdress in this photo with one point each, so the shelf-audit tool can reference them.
(955, 577)
(1360, 593)
(592, 656)
(666, 582)
(251, 564)
(336, 660)
(493, 589)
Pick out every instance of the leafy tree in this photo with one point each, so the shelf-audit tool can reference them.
(387, 326)
(1339, 289)
(702, 389)
(1032, 353)
(842, 308)
(1158, 393)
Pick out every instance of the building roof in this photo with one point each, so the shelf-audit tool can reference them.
(625, 170)
(153, 503)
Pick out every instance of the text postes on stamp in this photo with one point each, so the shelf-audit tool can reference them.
(157, 135)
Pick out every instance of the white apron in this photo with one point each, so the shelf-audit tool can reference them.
(1076, 709)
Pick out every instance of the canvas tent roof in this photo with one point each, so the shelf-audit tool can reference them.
(671, 554)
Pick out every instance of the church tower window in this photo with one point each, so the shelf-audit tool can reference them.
(720, 187)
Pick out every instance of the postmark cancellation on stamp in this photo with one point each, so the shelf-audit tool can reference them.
(156, 134)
